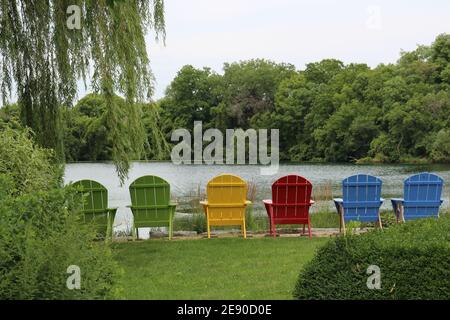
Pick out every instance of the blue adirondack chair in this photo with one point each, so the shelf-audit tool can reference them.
(422, 197)
(361, 200)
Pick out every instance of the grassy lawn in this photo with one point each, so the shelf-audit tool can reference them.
(227, 268)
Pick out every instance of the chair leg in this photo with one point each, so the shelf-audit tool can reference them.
(108, 235)
(208, 228)
(172, 216)
(273, 226)
(111, 232)
(274, 230)
(270, 211)
(270, 226)
(309, 229)
(341, 220)
(133, 232)
(380, 225)
(244, 230)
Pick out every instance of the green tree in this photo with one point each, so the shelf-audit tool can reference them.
(347, 134)
(323, 71)
(86, 133)
(42, 58)
(190, 97)
(440, 149)
(440, 56)
(293, 101)
(250, 88)
(157, 147)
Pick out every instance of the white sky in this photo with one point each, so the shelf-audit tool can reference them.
(211, 32)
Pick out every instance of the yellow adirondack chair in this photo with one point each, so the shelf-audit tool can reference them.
(226, 202)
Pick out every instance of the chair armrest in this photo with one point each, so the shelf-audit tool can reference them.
(396, 203)
(338, 202)
(204, 202)
(173, 204)
(381, 200)
(311, 202)
(247, 202)
(267, 201)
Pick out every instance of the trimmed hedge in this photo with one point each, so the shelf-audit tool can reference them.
(414, 262)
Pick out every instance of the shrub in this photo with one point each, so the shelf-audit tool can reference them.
(40, 230)
(30, 167)
(413, 259)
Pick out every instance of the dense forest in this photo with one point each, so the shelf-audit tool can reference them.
(330, 111)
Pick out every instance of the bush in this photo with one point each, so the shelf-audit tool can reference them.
(40, 230)
(31, 168)
(413, 259)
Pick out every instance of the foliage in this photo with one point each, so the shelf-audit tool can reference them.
(190, 97)
(40, 232)
(86, 130)
(412, 257)
(440, 149)
(28, 166)
(40, 237)
(42, 59)
(329, 111)
(249, 87)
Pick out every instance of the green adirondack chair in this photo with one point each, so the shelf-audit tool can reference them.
(151, 205)
(95, 206)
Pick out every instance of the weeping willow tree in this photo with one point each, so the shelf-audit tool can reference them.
(42, 59)
(157, 146)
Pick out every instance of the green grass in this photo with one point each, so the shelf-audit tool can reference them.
(325, 219)
(227, 268)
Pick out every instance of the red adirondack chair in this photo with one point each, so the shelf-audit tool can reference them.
(291, 199)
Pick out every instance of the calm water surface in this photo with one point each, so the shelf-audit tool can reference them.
(186, 179)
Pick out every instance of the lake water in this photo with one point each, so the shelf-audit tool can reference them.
(187, 179)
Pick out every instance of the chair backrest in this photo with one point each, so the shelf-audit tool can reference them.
(291, 196)
(362, 197)
(226, 195)
(149, 191)
(95, 196)
(422, 195)
(150, 198)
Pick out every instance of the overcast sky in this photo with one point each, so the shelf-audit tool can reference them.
(211, 32)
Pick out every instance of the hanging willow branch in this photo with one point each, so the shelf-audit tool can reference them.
(42, 59)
